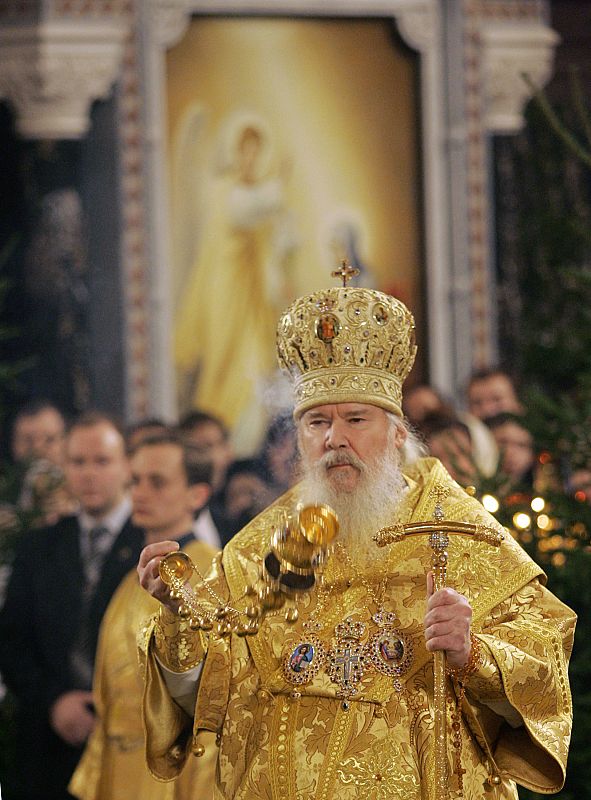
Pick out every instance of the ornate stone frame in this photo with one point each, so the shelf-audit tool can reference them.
(419, 24)
(462, 55)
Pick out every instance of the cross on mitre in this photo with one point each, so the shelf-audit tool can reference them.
(346, 272)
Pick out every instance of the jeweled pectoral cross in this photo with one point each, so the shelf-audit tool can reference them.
(347, 660)
(346, 666)
(346, 272)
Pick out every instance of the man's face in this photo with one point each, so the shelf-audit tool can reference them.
(163, 501)
(96, 467)
(351, 433)
(516, 445)
(491, 396)
(245, 493)
(454, 449)
(211, 443)
(39, 436)
(420, 402)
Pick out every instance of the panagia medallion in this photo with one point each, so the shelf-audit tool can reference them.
(302, 663)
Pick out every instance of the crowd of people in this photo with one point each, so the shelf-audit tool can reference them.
(489, 437)
(37, 487)
(93, 496)
(87, 495)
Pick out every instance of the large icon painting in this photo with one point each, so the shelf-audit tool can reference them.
(293, 143)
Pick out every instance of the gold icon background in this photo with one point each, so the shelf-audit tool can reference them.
(334, 104)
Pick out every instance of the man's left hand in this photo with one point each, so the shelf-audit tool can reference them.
(447, 624)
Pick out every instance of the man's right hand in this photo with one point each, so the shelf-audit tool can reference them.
(72, 717)
(148, 571)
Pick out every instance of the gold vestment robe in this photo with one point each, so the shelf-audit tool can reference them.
(280, 741)
(113, 765)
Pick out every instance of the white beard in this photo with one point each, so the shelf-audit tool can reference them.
(370, 506)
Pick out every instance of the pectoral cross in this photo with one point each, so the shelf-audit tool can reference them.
(439, 493)
(346, 272)
(346, 666)
(347, 660)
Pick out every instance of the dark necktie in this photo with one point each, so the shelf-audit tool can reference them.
(98, 544)
(82, 655)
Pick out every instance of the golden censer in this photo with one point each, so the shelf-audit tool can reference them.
(299, 549)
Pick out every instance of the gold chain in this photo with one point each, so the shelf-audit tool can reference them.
(220, 602)
(359, 575)
(312, 623)
(325, 589)
(188, 594)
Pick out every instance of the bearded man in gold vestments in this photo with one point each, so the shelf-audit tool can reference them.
(170, 484)
(340, 705)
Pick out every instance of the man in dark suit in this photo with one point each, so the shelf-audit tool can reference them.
(211, 438)
(62, 580)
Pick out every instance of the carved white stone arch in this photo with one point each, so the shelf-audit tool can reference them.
(509, 51)
(52, 71)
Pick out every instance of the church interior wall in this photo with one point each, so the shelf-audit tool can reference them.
(125, 318)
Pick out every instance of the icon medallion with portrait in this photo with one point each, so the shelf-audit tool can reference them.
(327, 328)
(302, 662)
(391, 652)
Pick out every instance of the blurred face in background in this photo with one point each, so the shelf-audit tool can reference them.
(493, 395)
(39, 435)
(211, 443)
(453, 447)
(281, 459)
(419, 402)
(516, 446)
(96, 467)
(246, 494)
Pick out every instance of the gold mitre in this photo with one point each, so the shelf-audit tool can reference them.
(347, 345)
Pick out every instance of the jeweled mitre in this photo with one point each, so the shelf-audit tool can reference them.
(347, 345)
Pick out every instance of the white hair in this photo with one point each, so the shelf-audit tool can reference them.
(413, 448)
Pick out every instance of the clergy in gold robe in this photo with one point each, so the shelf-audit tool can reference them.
(340, 704)
(113, 764)
(168, 486)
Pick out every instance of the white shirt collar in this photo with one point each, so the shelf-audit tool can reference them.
(205, 530)
(114, 520)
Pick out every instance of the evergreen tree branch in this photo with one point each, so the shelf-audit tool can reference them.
(556, 124)
(579, 102)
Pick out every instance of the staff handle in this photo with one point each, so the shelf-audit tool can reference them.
(439, 530)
